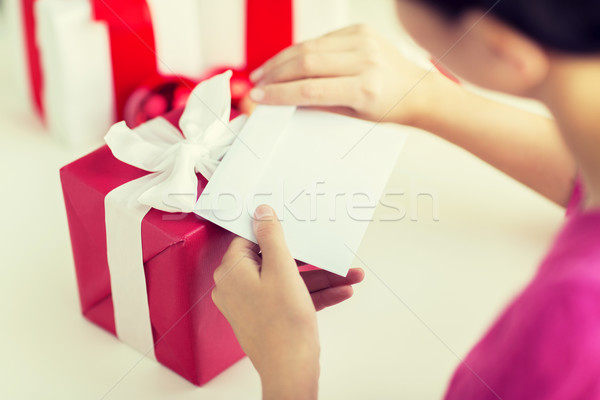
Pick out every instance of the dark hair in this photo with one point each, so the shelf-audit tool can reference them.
(567, 25)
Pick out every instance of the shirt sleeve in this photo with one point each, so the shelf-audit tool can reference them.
(545, 346)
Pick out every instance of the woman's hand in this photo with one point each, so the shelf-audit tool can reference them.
(327, 289)
(266, 301)
(354, 71)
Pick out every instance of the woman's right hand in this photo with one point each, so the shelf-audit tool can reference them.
(354, 71)
(272, 307)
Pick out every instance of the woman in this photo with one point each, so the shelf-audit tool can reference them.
(546, 344)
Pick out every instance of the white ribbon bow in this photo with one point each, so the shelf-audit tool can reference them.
(157, 146)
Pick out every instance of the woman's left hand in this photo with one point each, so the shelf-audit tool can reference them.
(352, 71)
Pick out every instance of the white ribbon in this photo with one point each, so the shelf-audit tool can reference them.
(158, 147)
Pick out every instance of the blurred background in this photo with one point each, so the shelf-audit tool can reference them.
(431, 290)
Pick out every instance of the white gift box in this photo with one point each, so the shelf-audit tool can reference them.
(17, 51)
(224, 27)
(192, 38)
(78, 89)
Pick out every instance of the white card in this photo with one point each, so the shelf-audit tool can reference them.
(323, 174)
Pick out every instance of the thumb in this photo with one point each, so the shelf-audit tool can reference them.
(269, 236)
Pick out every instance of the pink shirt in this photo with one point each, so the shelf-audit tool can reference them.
(546, 344)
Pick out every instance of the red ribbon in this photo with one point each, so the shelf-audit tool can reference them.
(269, 29)
(132, 46)
(32, 53)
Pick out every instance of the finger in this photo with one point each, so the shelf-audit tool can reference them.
(330, 297)
(350, 112)
(355, 275)
(239, 245)
(241, 258)
(270, 238)
(236, 274)
(319, 280)
(315, 65)
(216, 298)
(340, 91)
(240, 248)
(351, 30)
(246, 105)
(329, 43)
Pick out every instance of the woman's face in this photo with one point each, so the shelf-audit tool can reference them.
(443, 38)
(456, 44)
(427, 27)
(476, 47)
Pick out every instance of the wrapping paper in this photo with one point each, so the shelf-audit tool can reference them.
(180, 253)
(174, 157)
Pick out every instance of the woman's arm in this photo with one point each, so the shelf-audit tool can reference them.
(525, 146)
(357, 72)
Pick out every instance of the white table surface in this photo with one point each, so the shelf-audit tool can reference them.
(431, 288)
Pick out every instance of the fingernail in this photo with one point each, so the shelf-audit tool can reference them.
(257, 94)
(263, 213)
(257, 74)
